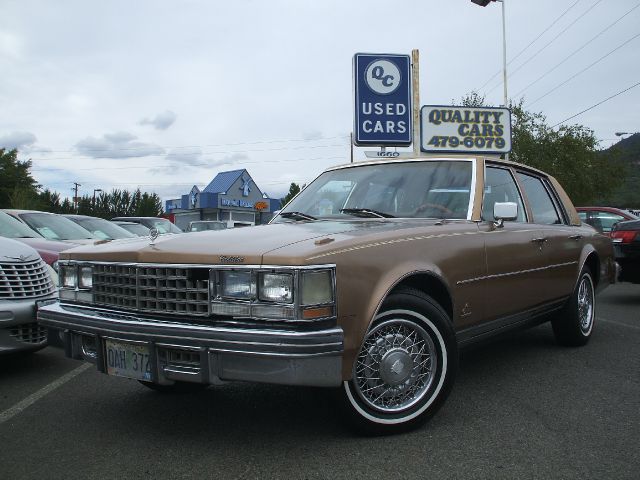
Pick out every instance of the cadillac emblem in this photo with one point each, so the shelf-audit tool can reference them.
(153, 234)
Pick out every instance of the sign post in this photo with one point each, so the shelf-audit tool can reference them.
(383, 107)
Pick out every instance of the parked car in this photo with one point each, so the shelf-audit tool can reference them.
(25, 280)
(161, 224)
(53, 227)
(136, 228)
(370, 280)
(100, 228)
(202, 225)
(604, 218)
(626, 245)
(47, 249)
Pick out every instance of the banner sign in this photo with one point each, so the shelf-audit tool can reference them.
(465, 129)
(382, 99)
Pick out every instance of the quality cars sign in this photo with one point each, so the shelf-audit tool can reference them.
(382, 99)
(465, 129)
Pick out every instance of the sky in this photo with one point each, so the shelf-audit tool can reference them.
(162, 95)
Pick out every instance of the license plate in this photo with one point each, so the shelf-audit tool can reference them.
(128, 360)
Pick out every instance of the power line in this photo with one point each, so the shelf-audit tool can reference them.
(169, 165)
(595, 105)
(583, 70)
(190, 146)
(548, 43)
(575, 52)
(304, 147)
(532, 42)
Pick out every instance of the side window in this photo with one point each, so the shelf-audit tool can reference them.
(499, 186)
(607, 220)
(542, 207)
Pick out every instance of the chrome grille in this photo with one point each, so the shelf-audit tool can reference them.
(145, 288)
(25, 280)
(29, 333)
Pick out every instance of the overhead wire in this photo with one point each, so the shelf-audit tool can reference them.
(576, 51)
(532, 42)
(562, 32)
(582, 71)
(596, 105)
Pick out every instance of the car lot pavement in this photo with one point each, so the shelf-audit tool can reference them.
(522, 407)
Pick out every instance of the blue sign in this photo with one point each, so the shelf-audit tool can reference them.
(383, 99)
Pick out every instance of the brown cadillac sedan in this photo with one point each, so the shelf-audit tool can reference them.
(370, 280)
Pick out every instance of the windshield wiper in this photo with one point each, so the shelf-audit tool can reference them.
(366, 212)
(297, 216)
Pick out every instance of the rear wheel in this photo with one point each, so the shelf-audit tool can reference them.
(574, 324)
(405, 368)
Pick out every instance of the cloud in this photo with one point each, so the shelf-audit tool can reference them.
(117, 145)
(185, 156)
(162, 121)
(20, 140)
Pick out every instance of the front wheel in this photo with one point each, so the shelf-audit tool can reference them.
(406, 365)
(574, 324)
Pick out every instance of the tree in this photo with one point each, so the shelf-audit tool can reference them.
(569, 153)
(294, 189)
(18, 189)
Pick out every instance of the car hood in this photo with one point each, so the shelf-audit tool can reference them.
(276, 244)
(13, 250)
(44, 245)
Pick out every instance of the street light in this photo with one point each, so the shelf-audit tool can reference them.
(94, 194)
(484, 3)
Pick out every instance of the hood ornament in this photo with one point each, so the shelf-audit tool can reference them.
(153, 235)
(21, 258)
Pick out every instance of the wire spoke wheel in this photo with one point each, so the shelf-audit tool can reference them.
(396, 366)
(585, 304)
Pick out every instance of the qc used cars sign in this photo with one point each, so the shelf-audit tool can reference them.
(382, 99)
(465, 129)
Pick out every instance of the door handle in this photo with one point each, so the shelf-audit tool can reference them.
(539, 240)
(575, 237)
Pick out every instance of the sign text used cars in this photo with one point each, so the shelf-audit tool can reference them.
(465, 129)
(382, 99)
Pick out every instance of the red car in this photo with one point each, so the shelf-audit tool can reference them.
(48, 249)
(604, 218)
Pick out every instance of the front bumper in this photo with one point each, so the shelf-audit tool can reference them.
(18, 328)
(203, 354)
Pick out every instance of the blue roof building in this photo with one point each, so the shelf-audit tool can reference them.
(232, 197)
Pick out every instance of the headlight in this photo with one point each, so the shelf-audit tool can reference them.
(85, 279)
(69, 276)
(317, 288)
(276, 287)
(236, 284)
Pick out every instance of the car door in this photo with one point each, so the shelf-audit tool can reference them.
(560, 242)
(514, 258)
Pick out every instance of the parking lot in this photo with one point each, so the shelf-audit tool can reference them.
(522, 407)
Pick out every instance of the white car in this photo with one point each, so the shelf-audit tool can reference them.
(25, 281)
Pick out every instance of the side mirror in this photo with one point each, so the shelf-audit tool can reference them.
(505, 211)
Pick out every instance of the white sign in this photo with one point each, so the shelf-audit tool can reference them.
(379, 154)
(465, 129)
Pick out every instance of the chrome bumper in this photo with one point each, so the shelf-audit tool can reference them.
(216, 354)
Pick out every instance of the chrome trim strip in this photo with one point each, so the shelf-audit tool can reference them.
(511, 274)
(260, 342)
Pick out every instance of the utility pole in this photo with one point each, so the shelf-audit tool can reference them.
(75, 195)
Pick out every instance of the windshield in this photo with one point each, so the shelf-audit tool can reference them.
(102, 228)
(162, 225)
(201, 226)
(427, 189)
(55, 227)
(136, 228)
(12, 228)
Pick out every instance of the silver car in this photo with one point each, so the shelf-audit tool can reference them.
(25, 281)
